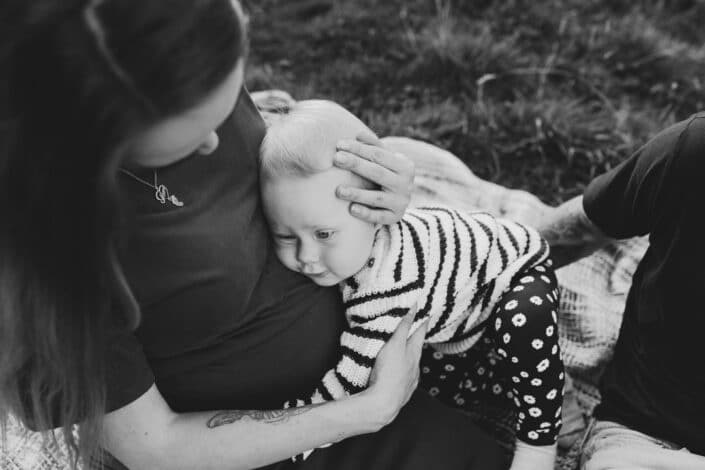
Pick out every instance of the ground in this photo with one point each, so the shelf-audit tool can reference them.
(539, 95)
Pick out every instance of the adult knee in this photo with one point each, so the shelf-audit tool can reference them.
(491, 457)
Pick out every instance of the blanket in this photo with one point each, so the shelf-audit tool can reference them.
(593, 289)
(593, 293)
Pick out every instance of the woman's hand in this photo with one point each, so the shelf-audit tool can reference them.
(395, 374)
(393, 172)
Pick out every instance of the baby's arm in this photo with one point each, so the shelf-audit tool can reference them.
(360, 343)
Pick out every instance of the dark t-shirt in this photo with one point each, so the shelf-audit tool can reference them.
(654, 382)
(224, 324)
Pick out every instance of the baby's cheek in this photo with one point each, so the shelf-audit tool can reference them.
(286, 257)
(356, 258)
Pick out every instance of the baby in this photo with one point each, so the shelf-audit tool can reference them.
(468, 274)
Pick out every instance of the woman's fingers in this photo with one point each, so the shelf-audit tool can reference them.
(395, 374)
(369, 138)
(392, 172)
(367, 156)
(374, 216)
(398, 341)
(402, 332)
(376, 206)
(414, 347)
(415, 342)
(372, 198)
(392, 358)
(395, 161)
(380, 207)
(364, 160)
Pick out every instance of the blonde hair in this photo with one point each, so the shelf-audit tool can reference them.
(303, 141)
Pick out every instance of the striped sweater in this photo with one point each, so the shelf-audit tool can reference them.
(451, 266)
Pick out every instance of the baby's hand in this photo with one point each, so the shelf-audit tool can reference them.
(393, 172)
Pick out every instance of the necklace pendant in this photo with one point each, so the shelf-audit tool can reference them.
(175, 200)
(161, 193)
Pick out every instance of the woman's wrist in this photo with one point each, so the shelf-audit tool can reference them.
(373, 412)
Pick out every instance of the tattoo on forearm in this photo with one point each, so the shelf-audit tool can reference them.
(573, 230)
(568, 225)
(267, 416)
(570, 233)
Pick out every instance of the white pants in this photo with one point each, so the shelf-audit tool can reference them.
(610, 445)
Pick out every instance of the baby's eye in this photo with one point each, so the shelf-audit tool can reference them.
(324, 234)
(285, 238)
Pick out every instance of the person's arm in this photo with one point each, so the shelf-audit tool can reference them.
(352, 372)
(632, 198)
(570, 233)
(147, 434)
(391, 171)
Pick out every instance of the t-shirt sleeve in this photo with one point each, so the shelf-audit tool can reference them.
(630, 199)
(128, 375)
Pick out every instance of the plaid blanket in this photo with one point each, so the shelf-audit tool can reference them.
(593, 292)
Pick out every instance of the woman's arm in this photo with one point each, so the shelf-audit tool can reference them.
(147, 434)
(570, 233)
(351, 374)
(391, 171)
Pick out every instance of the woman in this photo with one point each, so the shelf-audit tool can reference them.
(115, 218)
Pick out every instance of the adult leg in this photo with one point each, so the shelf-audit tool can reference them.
(426, 434)
(610, 445)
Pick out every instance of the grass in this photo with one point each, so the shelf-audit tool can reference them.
(540, 95)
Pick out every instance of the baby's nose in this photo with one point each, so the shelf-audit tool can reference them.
(307, 254)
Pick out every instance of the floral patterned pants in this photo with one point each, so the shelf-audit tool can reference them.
(516, 364)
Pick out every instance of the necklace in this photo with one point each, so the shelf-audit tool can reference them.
(161, 192)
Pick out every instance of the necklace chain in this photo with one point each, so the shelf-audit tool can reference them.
(161, 192)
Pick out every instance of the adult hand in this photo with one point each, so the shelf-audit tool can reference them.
(393, 172)
(396, 372)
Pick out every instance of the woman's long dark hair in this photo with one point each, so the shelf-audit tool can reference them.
(77, 79)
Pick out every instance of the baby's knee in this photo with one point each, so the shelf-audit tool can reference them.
(531, 321)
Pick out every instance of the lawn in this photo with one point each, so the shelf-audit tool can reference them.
(539, 95)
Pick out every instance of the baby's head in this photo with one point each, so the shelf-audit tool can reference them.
(313, 231)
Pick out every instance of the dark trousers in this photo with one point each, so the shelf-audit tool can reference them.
(425, 435)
